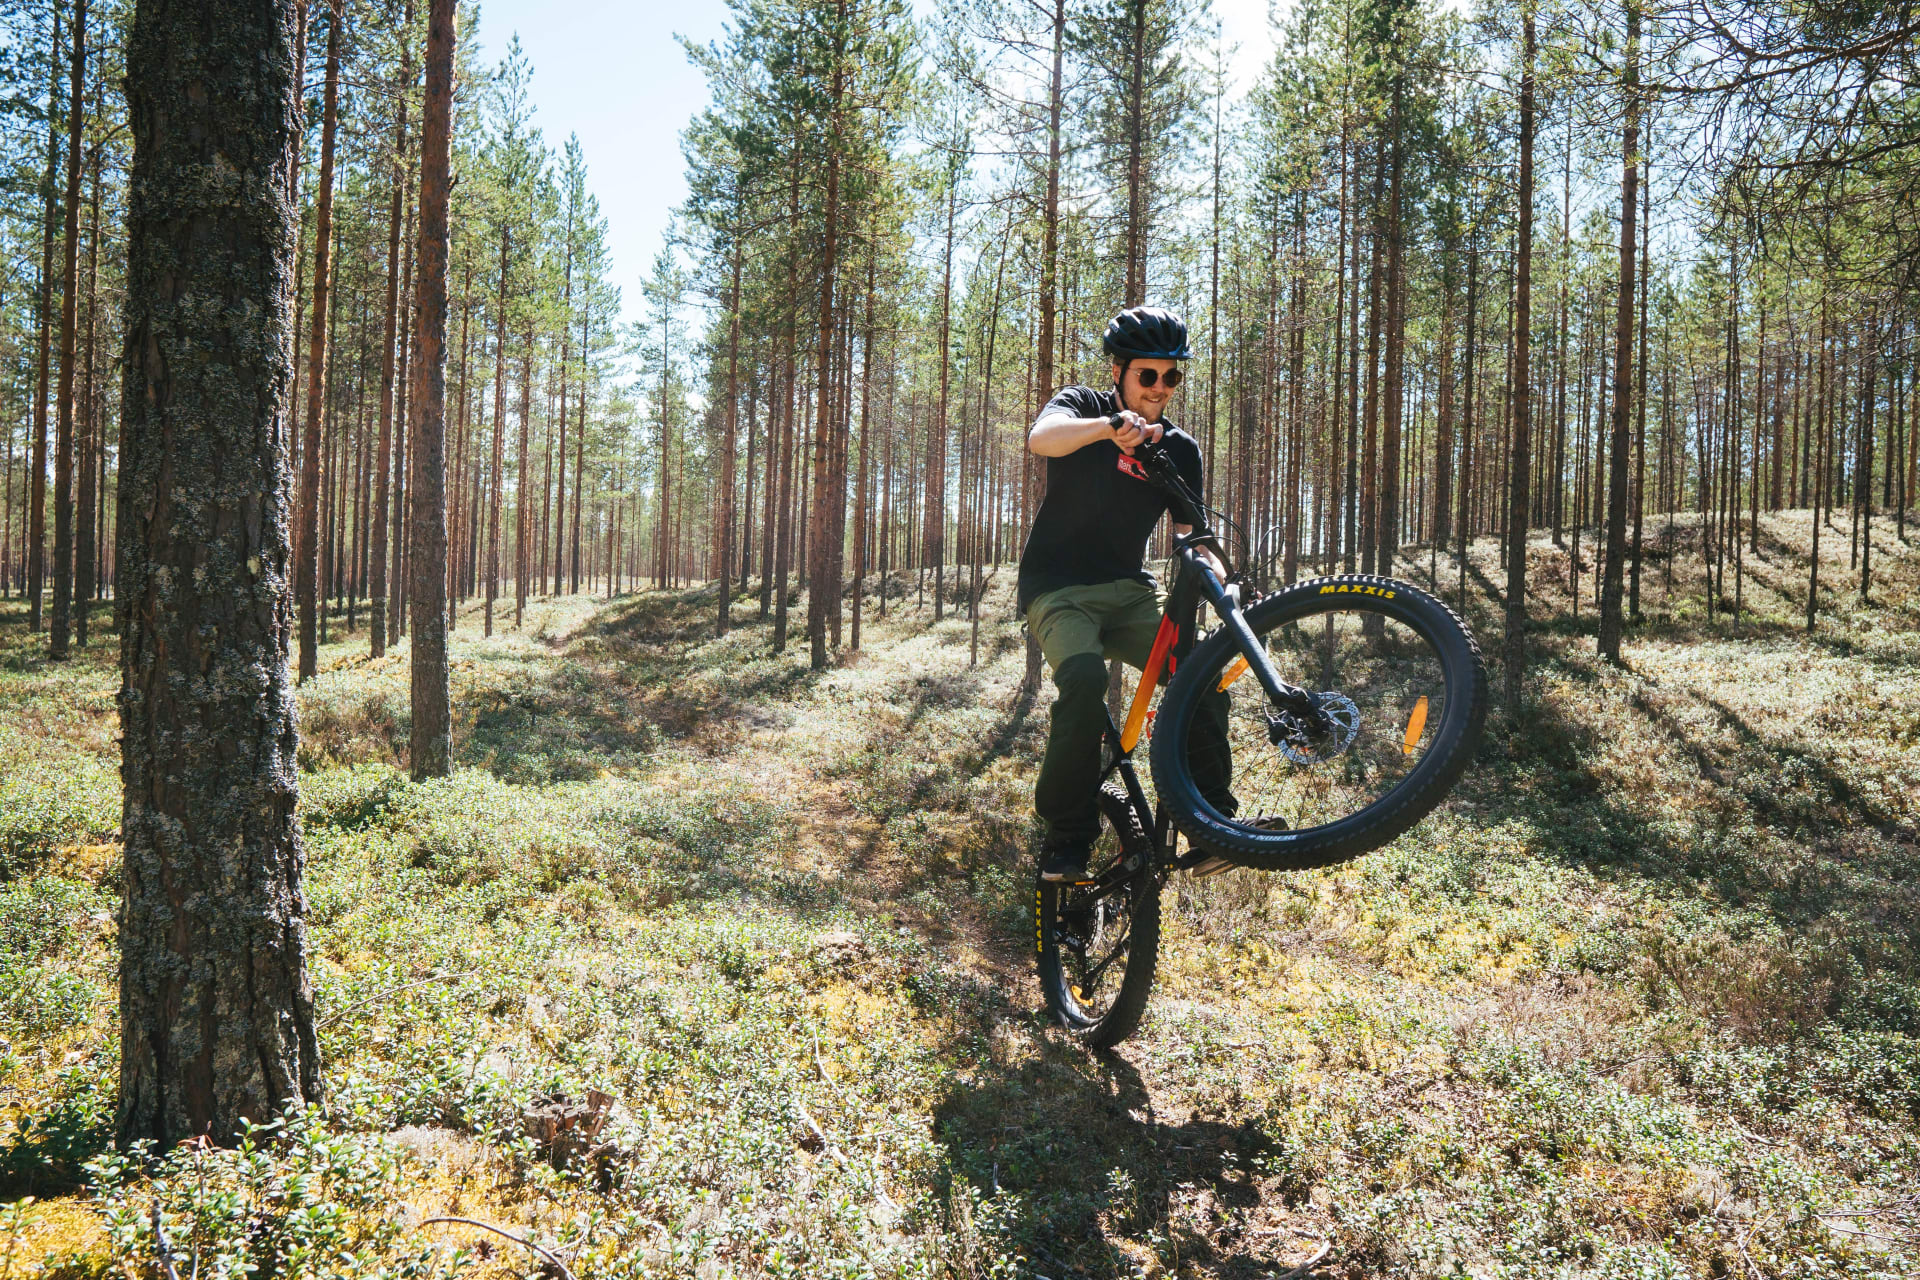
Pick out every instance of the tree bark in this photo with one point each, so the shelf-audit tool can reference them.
(523, 489)
(729, 449)
(1049, 300)
(383, 450)
(37, 476)
(580, 439)
(216, 1012)
(1387, 515)
(1640, 402)
(92, 449)
(934, 538)
(62, 620)
(307, 545)
(824, 583)
(1134, 105)
(499, 430)
(1370, 414)
(1520, 390)
(862, 499)
(1611, 621)
(431, 745)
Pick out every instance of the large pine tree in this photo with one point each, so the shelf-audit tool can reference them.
(216, 1013)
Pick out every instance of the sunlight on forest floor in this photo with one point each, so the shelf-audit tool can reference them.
(705, 964)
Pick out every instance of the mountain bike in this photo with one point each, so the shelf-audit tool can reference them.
(1353, 704)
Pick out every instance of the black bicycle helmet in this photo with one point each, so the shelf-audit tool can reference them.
(1151, 333)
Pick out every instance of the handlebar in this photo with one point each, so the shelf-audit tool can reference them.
(1160, 465)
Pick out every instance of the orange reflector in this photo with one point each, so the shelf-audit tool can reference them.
(1416, 724)
(1235, 669)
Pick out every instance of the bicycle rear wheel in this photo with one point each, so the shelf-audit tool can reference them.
(1401, 675)
(1099, 943)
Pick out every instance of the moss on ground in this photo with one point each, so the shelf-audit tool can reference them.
(705, 964)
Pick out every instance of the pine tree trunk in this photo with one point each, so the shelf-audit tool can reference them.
(783, 539)
(1340, 537)
(1468, 405)
(863, 502)
(1370, 413)
(1612, 624)
(400, 575)
(823, 586)
(1519, 390)
(1640, 398)
(307, 543)
(496, 475)
(580, 442)
(1442, 531)
(37, 477)
(523, 490)
(745, 512)
(1390, 496)
(216, 1012)
(934, 539)
(1296, 395)
(92, 450)
(1134, 105)
(62, 619)
(1049, 306)
(1863, 458)
(559, 516)
(383, 450)
(729, 448)
(430, 747)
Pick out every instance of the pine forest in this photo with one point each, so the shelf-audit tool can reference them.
(511, 769)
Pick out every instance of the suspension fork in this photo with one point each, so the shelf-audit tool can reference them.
(1279, 693)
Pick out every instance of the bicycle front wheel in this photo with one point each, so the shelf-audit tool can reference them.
(1403, 680)
(1098, 943)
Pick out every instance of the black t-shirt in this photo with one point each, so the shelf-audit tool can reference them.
(1100, 507)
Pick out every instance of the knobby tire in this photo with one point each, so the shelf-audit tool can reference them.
(1096, 1027)
(1391, 814)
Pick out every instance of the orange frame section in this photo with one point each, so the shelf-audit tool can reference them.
(1163, 641)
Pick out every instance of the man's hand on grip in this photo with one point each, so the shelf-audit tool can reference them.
(1130, 429)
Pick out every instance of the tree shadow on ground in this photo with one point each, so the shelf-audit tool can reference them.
(1066, 1155)
(1789, 842)
(47, 1153)
(646, 669)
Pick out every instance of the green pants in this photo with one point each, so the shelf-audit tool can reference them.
(1078, 628)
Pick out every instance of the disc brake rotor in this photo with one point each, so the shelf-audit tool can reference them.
(1297, 745)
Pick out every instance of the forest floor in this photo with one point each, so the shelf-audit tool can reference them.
(703, 964)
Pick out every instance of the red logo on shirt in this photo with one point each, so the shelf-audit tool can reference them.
(1133, 467)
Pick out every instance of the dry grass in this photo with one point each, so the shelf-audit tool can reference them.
(1642, 999)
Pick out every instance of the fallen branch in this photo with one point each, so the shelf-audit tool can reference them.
(821, 1066)
(162, 1247)
(1308, 1265)
(522, 1241)
(1869, 1235)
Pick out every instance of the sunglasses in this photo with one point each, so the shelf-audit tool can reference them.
(1148, 377)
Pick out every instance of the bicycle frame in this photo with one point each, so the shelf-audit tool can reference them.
(1193, 577)
(1176, 636)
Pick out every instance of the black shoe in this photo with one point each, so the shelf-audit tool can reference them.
(1214, 865)
(1065, 864)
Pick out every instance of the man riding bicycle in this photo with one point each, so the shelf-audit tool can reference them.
(1084, 586)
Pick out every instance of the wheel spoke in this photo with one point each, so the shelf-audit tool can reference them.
(1386, 686)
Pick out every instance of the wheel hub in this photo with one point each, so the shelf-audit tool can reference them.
(1307, 744)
